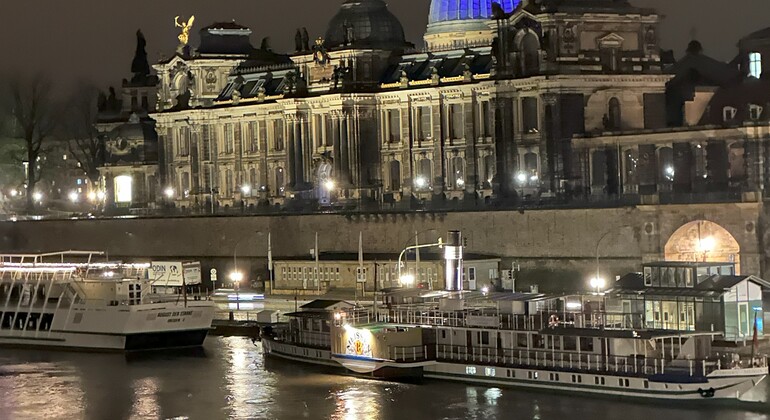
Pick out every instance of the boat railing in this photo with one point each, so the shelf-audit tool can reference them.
(486, 318)
(411, 353)
(634, 365)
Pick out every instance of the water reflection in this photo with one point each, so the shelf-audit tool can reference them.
(231, 380)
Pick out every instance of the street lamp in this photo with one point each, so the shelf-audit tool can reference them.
(237, 277)
(246, 189)
(406, 280)
(420, 182)
(329, 185)
(169, 192)
(73, 196)
(521, 177)
(597, 283)
(37, 196)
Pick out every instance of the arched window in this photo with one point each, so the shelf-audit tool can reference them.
(424, 173)
(630, 164)
(457, 173)
(185, 187)
(280, 187)
(489, 170)
(613, 115)
(737, 162)
(530, 168)
(228, 187)
(253, 178)
(395, 175)
(666, 165)
(530, 54)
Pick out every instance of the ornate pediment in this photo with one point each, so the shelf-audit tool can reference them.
(611, 40)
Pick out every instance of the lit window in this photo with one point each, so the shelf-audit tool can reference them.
(755, 111)
(755, 64)
(80, 181)
(728, 113)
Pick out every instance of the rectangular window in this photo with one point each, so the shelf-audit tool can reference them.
(457, 121)
(278, 135)
(253, 136)
(229, 139)
(485, 338)
(206, 142)
(394, 125)
(485, 120)
(755, 64)
(529, 115)
(318, 130)
(424, 119)
(471, 273)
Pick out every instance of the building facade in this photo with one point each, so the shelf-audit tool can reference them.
(362, 116)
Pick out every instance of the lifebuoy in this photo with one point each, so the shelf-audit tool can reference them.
(553, 321)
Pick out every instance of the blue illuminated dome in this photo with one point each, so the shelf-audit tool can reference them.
(452, 10)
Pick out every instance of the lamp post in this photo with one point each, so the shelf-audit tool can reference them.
(236, 277)
(599, 242)
(410, 278)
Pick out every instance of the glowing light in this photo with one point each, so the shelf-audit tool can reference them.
(574, 306)
(37, 196)
(246, 189)
(14, 193)
(100, 195)
(338, 315)
(460, 182)
(73, 196)
(521, 177)
(670, 170)
(407, 280)
(109, 274)
(91, 196)
(706, 244)
(420, 182)
(533, 178)
(123, 188)
(329, 185)
(236, 276)
(485, 289)
(597, 283)
(169, 192)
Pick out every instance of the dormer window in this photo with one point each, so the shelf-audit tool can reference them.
(728, 113)
(755, 111)
(755, 64)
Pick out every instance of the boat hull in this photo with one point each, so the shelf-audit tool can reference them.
(126, 328)
(718, 387)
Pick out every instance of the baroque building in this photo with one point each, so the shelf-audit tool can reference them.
(488, 110)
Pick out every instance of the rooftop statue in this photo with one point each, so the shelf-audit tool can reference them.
(184, 37)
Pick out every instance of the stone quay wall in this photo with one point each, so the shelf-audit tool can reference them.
(551, 247)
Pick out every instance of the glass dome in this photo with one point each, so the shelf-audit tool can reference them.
(369, 22)
(453, 10)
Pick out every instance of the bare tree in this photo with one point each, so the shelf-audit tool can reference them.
(80, 133)
(32, 109)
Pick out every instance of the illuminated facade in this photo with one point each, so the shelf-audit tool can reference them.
(361, 115)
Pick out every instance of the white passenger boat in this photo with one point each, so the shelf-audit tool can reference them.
(69, 300)
(655, 334)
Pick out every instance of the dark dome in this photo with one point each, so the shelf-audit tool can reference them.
(372, 24)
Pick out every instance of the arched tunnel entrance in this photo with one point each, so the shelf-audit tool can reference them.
(703, 240)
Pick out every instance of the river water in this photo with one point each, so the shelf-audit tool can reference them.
(229, 379)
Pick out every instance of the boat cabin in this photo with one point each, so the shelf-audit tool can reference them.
(691, 297)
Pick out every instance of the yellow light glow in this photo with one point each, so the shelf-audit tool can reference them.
(706, 244)
(236, 276)
(123, 189)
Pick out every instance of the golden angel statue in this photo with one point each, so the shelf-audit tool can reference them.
(184, 37)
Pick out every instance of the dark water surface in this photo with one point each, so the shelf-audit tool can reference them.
(229, 379)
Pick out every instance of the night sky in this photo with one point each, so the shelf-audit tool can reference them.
(93, 40)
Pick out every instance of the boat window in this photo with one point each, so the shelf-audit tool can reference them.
(485, 337)
(537, 341)
(586, 344)
(443, 333)
(570, 343)
(596, 380)
(646, 384)
(580, 379)
(648, 276)
(521, 340)
(627, 383)
(601, 380)
(620, 382)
